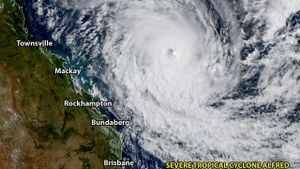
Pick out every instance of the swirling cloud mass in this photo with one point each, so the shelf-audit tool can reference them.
(168, 66)
(201, 80)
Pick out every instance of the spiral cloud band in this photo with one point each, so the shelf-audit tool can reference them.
(170, 54)
(168, 64)
(200, 80)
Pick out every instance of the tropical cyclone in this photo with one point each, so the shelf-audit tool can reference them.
(170, 62)
(200, 80)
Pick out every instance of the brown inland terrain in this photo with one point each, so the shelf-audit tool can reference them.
(36, 130)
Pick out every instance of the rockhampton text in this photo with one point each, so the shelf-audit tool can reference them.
(227, 165)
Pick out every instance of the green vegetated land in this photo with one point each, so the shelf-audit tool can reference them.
(36, 130)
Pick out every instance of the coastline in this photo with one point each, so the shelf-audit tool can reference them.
(53, 134)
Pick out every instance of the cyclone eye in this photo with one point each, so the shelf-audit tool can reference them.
(172, 54)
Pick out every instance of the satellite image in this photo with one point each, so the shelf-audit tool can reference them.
(149, 84)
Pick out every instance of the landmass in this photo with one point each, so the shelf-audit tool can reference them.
(36, 130)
